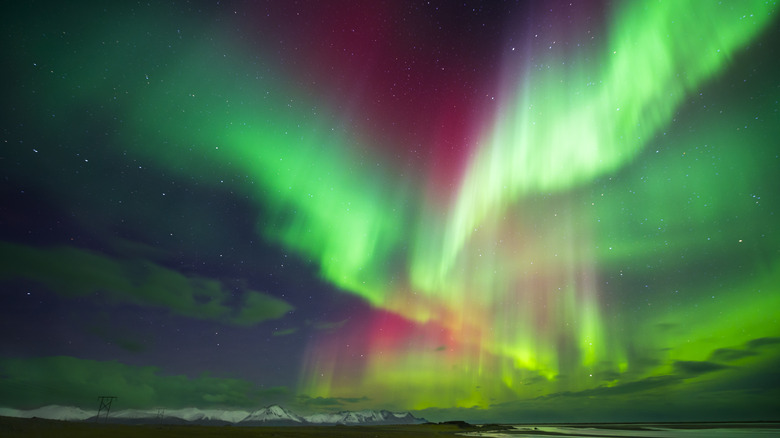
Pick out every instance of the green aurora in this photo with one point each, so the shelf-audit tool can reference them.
(608, 253)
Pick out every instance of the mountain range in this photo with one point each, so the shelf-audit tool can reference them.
(273, 415)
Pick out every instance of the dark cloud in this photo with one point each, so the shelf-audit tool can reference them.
(761, 342)
(754, 347)
(472, 414)
(66, 380)
(690, 368)
(75, 272)
(684, 369)
(607, 375)
(647, 384)
(329, 326)
(284, 332)
(260, 307)
(534, 380)
(729, 354)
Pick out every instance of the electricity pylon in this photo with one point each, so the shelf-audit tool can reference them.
(105, 404)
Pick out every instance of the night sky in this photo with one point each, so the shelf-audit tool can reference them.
(486, 211)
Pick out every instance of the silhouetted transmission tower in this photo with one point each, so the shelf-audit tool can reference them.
(105, 404)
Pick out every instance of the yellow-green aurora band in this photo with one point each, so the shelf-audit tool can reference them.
(560, 270)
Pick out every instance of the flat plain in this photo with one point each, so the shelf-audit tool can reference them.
(36, 427)
(41, 428)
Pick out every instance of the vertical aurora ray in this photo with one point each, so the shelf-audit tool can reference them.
(567, 261)
(566, 126)
(511, 273)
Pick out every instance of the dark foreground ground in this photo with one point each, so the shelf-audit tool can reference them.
(36, 427)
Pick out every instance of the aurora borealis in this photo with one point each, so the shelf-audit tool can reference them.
(488, 211)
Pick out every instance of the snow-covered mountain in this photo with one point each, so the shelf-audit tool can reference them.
(273, 415)
(195, 414)
(51, 412)
(364, 417)
(185, 415)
